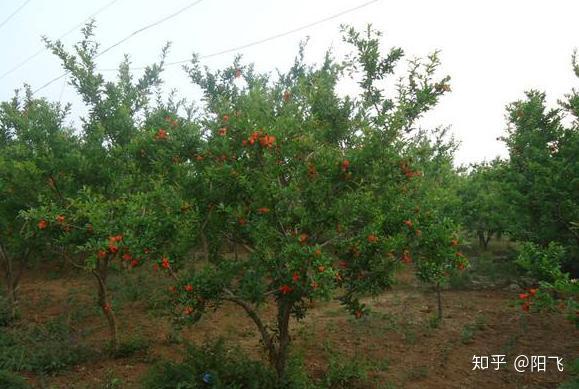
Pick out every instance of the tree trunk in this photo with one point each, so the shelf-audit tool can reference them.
(484, 240)
(488, 239)
(439, 298)
(278, 352)
(103, 300)
(281, 357)
(266, 337)
(12, 279)
(12, 301)
(11, 288)
(205, 245)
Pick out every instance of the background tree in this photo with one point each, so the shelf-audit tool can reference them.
(38, 156)
(543, 168)
(133, 170)
(485, 208)
(434, 221)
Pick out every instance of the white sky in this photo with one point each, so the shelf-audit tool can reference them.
(493, 50)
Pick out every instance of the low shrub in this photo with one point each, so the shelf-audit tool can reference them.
(344, 372)
(213, 364)
(543, 264)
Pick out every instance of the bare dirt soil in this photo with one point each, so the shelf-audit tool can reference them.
(399, 338)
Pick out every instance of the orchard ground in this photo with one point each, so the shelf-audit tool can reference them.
(400, 344)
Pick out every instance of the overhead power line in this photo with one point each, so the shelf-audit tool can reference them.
(174, 14)
(260, 41)
(14, 13)
(149, 26)
(236, 48)
(280, 35)
(43, 49)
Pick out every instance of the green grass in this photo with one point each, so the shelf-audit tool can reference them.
(410, 336)
(469, 330)
(491, 266)
(10, 380)
(388, 322)
(510, 344)
(135, 344)
(445, 354)
(501, 248)
(480, 322)
(573, 381)
(467, 334)
(373, 325)
(5, 312)
(380, 365)
(460, 281)
(112, 382)
(140, 285)
(496, 270)
(417, 373)
(344, 371)
(434, 322)
(45, 348)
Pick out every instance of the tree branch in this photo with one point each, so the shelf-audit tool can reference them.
(265, 336)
